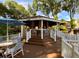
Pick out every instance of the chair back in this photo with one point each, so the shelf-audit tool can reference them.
(19, 44)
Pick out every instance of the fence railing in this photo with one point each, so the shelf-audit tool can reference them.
(67, 49)
(53, 34)
(70, 45)
(28, 35)
(11, 37)
(67, 36)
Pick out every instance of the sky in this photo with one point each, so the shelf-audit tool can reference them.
(61, 15)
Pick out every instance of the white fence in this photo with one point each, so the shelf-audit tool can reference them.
(67, 36)
(53, 34)
(70, 45)
(28, 35)
(66, 49)
(70, 49)
(11, 37)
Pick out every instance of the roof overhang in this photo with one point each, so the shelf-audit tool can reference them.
(10, 21)
(39, 18)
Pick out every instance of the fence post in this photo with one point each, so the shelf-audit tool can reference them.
(76, 36)
(72, 51)
(55, 36)
(51, 33)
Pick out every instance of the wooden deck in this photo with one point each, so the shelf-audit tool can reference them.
(48, 50)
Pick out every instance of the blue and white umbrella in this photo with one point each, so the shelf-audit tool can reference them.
(8, 21)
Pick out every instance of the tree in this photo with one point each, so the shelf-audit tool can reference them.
(55, 6)
(47, 6)
(70, 6)
(31, 11)
(3, 9)
(18, 10)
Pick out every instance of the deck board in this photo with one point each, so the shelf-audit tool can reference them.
(50, 50)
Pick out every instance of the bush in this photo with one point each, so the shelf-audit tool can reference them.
(63, 28)
(3, 30)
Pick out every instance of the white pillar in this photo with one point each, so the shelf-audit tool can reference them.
(41, 29)
(21, 30)
(55, 36)
(56, 29)
(7, 28)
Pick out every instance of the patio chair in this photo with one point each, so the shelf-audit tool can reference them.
(1, 49)
(2, 52)
(18, 47)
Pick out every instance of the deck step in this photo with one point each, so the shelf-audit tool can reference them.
(42, 42)
(35, 43)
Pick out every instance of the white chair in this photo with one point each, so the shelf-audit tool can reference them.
(2, 52)
(18, 47)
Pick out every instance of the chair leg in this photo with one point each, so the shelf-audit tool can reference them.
(6, 55)
(12, 54)
(22, 52)
(2, 55)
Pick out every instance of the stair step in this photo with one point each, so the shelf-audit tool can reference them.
(47, 41)
(35, 43)
(35, 40)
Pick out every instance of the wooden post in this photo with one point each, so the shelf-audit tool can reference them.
(41, 29)
(32, 24)
(47, 24)
(72, 56)
(39, 25)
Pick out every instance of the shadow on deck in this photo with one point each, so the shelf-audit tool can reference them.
(49, 50)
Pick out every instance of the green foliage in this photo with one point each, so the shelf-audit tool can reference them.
(31, 11)
(55, 17)
(3, 9)
(47, 6)
(35, 5)
(54, 27)
(63, 28)
(63, 21)
(3, 29)
(12, 29)
(72, 22)
(55, 6)
(15, 10)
